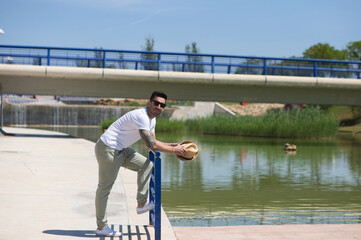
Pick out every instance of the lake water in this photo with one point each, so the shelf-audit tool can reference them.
(252, 181)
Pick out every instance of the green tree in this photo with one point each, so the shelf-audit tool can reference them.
(196, 59)
(249, 67)
(149, 59)
(98, 63)
(324, 51)
(122, 64)
(81, 62)
(177, 67)
(354, 51)
(37, 61)
(290, 67)
(99, 56)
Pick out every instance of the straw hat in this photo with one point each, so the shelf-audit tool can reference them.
(192, 151)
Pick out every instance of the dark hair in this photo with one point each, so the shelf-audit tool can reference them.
(158, 94)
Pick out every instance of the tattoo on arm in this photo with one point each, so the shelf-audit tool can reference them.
(148, 138)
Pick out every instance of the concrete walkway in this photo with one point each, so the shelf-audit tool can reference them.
(48, 182)
(272, 232)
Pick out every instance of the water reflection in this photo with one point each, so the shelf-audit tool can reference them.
(252, 181)
(238, 181)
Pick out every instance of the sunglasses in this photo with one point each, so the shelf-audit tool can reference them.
(156, 103)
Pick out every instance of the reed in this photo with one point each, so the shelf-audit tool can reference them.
(307, 123)
(163, 125)
(310, 122)
(166, 125)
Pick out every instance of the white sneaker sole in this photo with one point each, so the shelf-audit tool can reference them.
(145, 209)
(106, 235)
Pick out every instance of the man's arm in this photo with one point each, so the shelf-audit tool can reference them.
(153, 144)
(148, 138)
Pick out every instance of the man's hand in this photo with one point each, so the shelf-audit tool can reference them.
(179, 149)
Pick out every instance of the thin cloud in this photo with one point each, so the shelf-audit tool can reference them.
(147, 18)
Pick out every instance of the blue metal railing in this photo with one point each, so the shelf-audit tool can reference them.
(155, 196)
(179, 62)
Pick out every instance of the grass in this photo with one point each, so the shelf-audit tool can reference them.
(166, 125)
(310, 122)
(355, 128)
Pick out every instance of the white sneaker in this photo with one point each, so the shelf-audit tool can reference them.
(107, 232)
(147, 207)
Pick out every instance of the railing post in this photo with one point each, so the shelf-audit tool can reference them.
(155, 194)
(104, 60)
(212, 64)
(264, 66)
(315, 71)
(159, 61)
(48, 57)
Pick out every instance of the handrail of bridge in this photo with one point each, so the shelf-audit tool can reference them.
(155, 194)
(177, 62)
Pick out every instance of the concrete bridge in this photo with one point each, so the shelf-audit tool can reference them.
(99, 82)
(183, 76)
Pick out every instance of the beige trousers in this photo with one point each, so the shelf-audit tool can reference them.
(110, 160)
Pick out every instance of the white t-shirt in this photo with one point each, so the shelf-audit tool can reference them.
(125, 131)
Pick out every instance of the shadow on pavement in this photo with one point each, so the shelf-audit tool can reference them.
(128, 232)
(2, 132)
(73, 233)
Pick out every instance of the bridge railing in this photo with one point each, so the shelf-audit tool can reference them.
(155, 194)
(177, 62)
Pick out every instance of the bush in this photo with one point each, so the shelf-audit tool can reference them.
(105, 124)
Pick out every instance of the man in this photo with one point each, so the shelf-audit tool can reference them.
(112, 152)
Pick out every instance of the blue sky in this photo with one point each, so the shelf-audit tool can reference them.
(271, 28)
